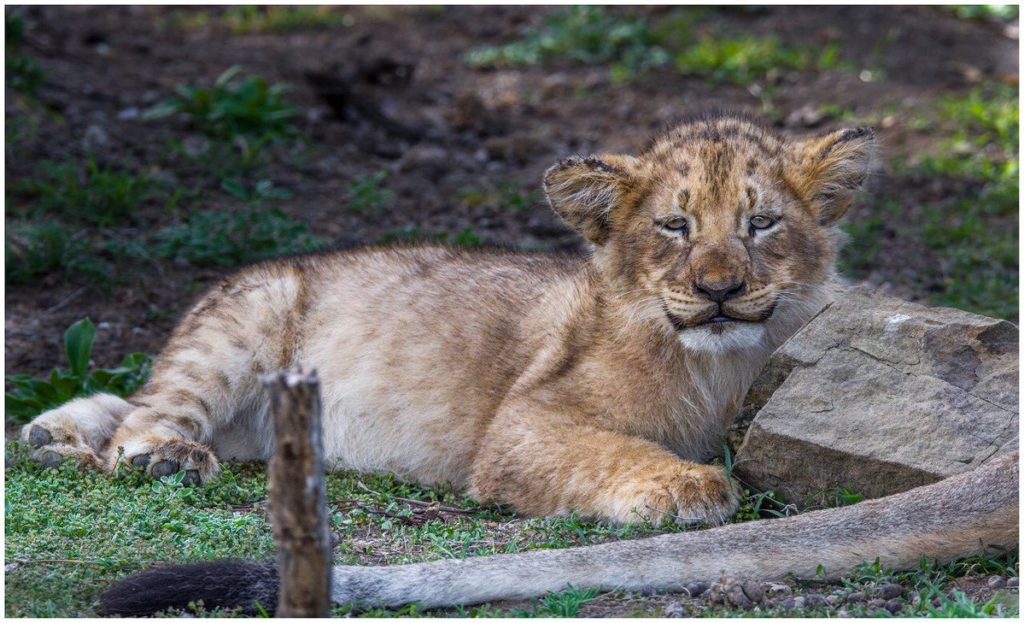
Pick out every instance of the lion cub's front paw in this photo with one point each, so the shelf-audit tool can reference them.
(52, 448)
(161, 458)
(689, 493)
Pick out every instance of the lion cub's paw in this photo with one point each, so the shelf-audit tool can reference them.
(163, 457)
(51, 448)
(688, 494)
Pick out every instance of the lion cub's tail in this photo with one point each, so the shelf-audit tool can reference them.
(955, 518)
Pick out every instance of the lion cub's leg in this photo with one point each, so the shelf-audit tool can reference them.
(79, 429)
(555, 469)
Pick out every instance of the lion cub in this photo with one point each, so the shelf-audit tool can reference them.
(596, 384)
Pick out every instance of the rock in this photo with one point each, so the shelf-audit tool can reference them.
(430, 160)
(888, 591)
(996, 582)
(1012, 582)
(673, 610)
(95, 137)
(879, 395)
(754, 591)
(815, 601)
(894, 605)
(855, 597)
(876, 603)
(696, 589)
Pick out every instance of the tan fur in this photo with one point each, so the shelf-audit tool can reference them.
(549, 383)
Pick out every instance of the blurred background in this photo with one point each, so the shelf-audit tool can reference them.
(152, 150)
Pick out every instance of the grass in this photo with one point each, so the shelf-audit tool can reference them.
(630, 45)
(366, 196)
(83, 192)
(29, 396)
(34, 250)
(21, 74)
(70, 533)
(283, 20)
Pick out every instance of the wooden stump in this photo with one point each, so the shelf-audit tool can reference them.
(298, 496)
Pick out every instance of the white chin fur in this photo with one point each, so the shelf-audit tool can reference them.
(734, 336)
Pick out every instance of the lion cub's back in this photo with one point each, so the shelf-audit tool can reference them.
(416, 346)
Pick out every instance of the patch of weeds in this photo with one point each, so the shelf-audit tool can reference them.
(366, 196)
(70, 533)
(410, 235)
(506, 195)
(32, 251)
(29, 396)
(21, 74)
(565, 604)
(861, 252)
(233, 107)
(85, 194)
(281, 19)
(230, 238)
(586, 34)
(991, 12)
(746, 59)
(977, 237)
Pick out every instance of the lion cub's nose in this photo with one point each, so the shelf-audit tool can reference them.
(720, 291)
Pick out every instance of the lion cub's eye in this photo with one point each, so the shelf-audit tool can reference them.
(675, 224)
(761, 221)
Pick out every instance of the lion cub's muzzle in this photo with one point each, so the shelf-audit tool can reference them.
(719, 315)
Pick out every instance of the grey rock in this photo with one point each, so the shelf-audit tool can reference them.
(1012, 582)
(815, 601)
(996, 582)
(855, 597)
(673, 610)
(880, 395)
(736, 596)
(894, 605)
(754, 590)
(888, 591)
(696, 589)
(876, 603)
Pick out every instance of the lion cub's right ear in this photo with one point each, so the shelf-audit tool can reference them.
(583, 191)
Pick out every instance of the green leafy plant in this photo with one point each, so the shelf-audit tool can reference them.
(233, 107)
(32, 251)
(29, 396)
(365, 195)
(586, 34)
(87, 193)
(281, 19)
(22, 74)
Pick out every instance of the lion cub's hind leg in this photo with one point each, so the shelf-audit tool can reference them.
(79, 430)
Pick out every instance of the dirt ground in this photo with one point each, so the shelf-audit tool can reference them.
(456, 129)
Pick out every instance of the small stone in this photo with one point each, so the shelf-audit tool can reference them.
(888, 591)
(734, 593)
(127, 114)
(776, 589)
(754, 590)
(788, 604)
(1012, 582)
(894, 605)
(815, 601)
(996, 582)
(673, 610)
(95, 137)
(696, 588)
(876, 603)
(427, 159)
(855, 597)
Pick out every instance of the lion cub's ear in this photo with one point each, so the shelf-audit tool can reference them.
(832, 167)
(583, 191)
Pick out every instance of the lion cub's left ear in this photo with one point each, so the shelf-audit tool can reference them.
(832, 167)
(585, 192)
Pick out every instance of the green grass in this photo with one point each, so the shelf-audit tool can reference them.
(465, 238)
(34, 250)
(283, 20)
(28, 396)
(21, 74)
(82, 192)
(367, 196)
(977, 233)
(630, 45)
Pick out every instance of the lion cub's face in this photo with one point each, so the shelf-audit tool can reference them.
(719, 226)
